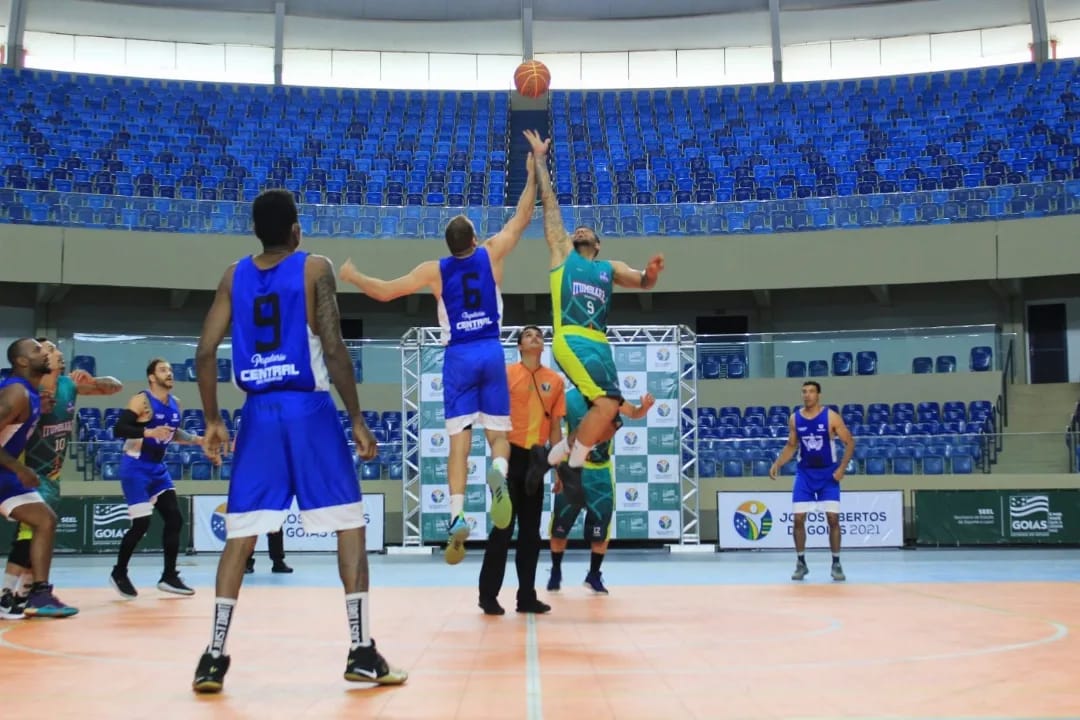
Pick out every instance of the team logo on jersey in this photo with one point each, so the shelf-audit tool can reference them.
(604, 277)
(546, 387)
(813, 442)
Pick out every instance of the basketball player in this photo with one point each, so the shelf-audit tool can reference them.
(281, 309)
(149, 423)
(581, 287)
(597, 498)
(537, 406)
(466, 286)
(45, 452)
(812, 432)
(20, 410)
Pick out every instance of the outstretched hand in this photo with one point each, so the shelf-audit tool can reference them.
(539, 147)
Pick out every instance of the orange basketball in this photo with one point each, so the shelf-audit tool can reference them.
(532, 78)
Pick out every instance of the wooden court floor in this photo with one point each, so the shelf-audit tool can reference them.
(817, 650)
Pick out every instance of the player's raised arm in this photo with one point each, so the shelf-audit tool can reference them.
(554, 231)
(426, 274)
(501, 244)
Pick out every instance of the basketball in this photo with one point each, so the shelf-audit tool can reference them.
(532, 78)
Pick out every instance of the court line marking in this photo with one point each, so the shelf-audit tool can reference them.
(533, 694)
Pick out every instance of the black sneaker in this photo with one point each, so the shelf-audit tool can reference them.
(122, 584)
(534, 606)
(838, 573)
(173, 584)
(250, 567)
(491, 606)
(280, 567)
(11, 606)
(538, 468)
(365, 664)
(801, 571)
(572, 487)
(210, 674)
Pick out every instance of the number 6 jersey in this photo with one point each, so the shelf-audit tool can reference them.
(471, 305)
(273, 348)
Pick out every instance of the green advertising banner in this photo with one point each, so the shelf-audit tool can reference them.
(97, 524)
(997, 517)
(647, 452)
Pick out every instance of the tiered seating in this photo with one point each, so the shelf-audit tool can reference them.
(1002, 125)
(905, 438)
(99, 453)
(200, 141)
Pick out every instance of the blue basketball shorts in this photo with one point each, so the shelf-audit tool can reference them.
(475, 389)
(291, 445)
(142, 481)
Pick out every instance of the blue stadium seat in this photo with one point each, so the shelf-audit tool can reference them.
(982, 359)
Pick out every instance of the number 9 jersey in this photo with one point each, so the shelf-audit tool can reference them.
(272, 345)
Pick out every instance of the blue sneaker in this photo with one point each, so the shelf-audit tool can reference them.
(42, 603)
(555, 581)
(595, 582)
(455, 547)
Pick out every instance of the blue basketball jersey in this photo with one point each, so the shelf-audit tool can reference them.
(272, 346)
(471, 304)
(815, 444)
(14, 437)
(168, 414)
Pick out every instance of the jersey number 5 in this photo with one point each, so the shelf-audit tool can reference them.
(268, 315)
(470, 291)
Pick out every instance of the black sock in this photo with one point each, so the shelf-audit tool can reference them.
(835, 559)
(594, 563)
(131, 539)
(802, 559)
(556, 560)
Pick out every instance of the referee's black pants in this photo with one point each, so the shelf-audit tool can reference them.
(526, 513)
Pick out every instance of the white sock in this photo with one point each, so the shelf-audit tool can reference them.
(26, 580)
(356, 607)
(223, 612)
(11, 582)
(501, 465)
(558, 453)
(578, 454)
(457, 506)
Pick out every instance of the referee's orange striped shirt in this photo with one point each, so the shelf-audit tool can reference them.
(536, 400)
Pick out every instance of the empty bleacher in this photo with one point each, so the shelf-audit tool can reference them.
(930, 438)
(982, 144)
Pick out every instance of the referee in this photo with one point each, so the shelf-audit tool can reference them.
(537, 406)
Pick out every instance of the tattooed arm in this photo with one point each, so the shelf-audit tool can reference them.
(323, 308)
(87, 384)
(554, 232)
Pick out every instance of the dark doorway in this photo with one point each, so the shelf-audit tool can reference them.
(1048, 354)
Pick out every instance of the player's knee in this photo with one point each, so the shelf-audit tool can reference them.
(833, 519)
(799, 520)
(139, 526)
(20, 553)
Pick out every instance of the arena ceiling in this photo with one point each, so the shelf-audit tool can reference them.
(417, 10)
